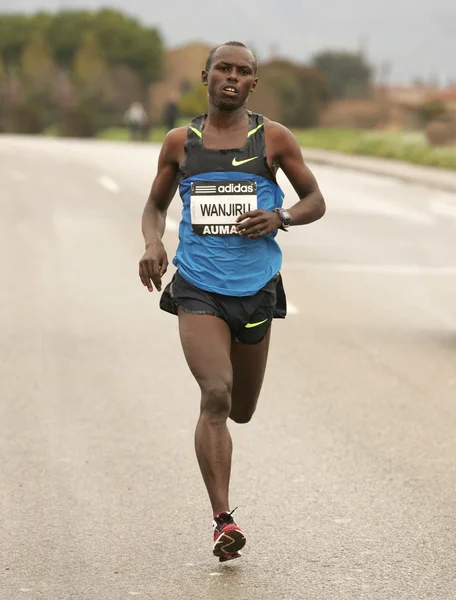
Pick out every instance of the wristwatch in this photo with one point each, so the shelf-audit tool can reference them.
(285, 217)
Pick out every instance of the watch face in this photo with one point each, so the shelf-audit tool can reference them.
(287, 217)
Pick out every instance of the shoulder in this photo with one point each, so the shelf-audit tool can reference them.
(176, 137)
(173, 145)
(279, 138)
(276, 131)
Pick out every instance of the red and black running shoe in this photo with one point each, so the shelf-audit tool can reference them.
(228, 537)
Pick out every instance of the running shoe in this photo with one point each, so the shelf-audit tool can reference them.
(228, 537)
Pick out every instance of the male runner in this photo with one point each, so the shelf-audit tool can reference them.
(227, 288)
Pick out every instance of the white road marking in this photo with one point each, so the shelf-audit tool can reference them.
(109, 184)
(449, 270)
(442, 208)
(359, 203)
(292, 309)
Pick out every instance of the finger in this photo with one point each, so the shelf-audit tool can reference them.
(148, 275)
(258, 233)
(252, 222)
(164, 266)
(249, 215)
(144, 276)
(260, 230)
(254, 227)
(155, 275)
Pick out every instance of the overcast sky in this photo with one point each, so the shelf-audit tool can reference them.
(417, 39)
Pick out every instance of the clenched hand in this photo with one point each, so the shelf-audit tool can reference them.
(257, 223)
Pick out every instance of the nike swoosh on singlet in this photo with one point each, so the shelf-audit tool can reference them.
(237, 163)
(250, 325)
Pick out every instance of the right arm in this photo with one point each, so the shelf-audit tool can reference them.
(154, 262)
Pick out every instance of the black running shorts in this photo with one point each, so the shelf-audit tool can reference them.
(248, 317)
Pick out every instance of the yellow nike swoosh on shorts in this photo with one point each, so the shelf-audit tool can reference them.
(250, 325)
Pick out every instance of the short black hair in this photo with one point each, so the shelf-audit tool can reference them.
(211, 54)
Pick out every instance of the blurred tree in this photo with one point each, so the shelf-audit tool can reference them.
(315, 94)
(66, 33)
(65, 90)
(125, 41)
(303, 92)
(193, 102)
(39, 73)
(432, 110)
(348, 73)
(41, 21)
(266, 101)
(2, 95)
(15, 31)
(90, 74)
(127, 87)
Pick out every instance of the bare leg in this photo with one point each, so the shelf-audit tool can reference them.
(249, 365)
(206, 342)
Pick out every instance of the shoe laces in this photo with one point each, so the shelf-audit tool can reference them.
(223, 518)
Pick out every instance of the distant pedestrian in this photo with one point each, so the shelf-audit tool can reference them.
(137, 119)
(170, 113)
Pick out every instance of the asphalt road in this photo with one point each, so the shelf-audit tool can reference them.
(345, 479)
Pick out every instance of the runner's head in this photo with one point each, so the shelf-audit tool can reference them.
(230, 75)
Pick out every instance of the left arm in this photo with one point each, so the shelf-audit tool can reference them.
(311, 204)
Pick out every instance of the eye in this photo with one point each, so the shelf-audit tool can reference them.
(223, 68)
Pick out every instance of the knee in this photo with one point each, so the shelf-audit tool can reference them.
(243, 406)
(241, 417)
(216, 399)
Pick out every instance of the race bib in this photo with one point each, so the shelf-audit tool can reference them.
(215, 205)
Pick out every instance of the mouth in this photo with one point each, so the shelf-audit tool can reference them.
(230, 90)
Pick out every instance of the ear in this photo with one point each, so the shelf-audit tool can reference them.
(204, 77)
(254, 84)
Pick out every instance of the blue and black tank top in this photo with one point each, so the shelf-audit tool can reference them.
(216, 186)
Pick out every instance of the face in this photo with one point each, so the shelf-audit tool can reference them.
(231, 77)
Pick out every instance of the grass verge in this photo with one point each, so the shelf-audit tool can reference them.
(408, 147)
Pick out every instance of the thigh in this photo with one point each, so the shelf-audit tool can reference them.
(206, 342)
(249, 366)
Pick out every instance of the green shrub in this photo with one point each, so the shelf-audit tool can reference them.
(78, 121)
(432, 110)
(24, 118)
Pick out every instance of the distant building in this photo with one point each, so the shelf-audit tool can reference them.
(182, 70)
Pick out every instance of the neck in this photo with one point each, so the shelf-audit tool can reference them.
(223, 119)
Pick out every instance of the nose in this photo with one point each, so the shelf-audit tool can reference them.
(232, 75)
